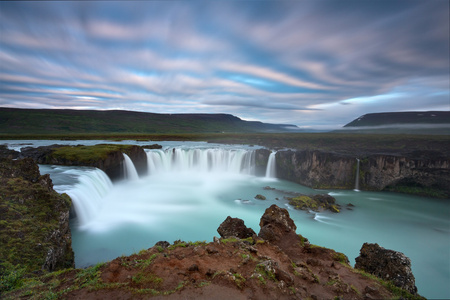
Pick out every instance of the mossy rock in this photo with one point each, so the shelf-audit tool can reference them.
(34, 221)
(260, 197)
(88, 154)
(303, 202)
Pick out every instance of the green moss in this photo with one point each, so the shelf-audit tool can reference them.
(147, 262)
(30, 214)
(303, 202)
(88, 154)
(12, 277)
(334, 208)
(229, 240)
(239, 280)
(419, 191)
(396, 291)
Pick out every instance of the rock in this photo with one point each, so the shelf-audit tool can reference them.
(327, 170)
(108, 158)
(268, 188)
(275, 224)
(260, 197)
(234, 227)
(8, 153)
(162, 244)
(36, 216)
(153, 146)
(387, 265)
(318, 202)
(193, 268)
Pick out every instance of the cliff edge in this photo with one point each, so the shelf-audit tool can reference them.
(34, 222)
(276, 263)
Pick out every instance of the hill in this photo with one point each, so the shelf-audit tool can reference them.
(418, 122)
(55, 121)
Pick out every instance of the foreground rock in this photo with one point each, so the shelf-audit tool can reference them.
(34, 220)
(234, 227)
(277, 264)
(388, 265)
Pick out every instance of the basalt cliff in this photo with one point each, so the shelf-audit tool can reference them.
(422, 172)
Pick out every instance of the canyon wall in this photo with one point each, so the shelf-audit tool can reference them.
(423, 172)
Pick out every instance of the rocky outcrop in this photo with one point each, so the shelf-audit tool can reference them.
(106, 157)
(277, 227)
(34, 226)
(319, 202)
(378, 172)
(279, 264)
(316, 169)
(417, 172)
(261, 159)
(8, 153)
(234, 227)
(387, 265)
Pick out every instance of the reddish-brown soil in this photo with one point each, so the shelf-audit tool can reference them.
(225, 269)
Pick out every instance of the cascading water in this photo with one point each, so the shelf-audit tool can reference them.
(88, 194)
(189, 191)
(129, 168)
(239, 161)
(357, 175)
(271, 166)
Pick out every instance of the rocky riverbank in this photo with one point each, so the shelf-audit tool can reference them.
(34, 222)
(276, 263)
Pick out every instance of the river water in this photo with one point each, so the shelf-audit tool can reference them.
(190, 190)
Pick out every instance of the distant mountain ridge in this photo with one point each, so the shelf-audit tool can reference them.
(416, 122)
(66, 121)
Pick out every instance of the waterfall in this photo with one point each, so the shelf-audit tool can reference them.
(88, 194)
(271, 166)
(129, 168)
(357, 175)
(201, 160)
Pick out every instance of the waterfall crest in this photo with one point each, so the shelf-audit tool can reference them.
(89, 193)
(201, 160)
(129, 168)
(271, 166)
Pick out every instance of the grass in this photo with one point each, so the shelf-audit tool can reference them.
(29, 216)
(396, 291)
(88, 154)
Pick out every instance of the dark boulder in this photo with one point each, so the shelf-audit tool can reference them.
(276, 224)
(387, 265)
(153, 146)
(234, 227)
(8, 153)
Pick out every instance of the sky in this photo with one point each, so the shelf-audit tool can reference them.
(314, 64)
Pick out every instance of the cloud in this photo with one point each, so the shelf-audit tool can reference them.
(309, 63)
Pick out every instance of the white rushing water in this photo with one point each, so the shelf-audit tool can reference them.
(190, 190)
(271, 171)
(129, 168)
(216, 160)
(88, 195)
